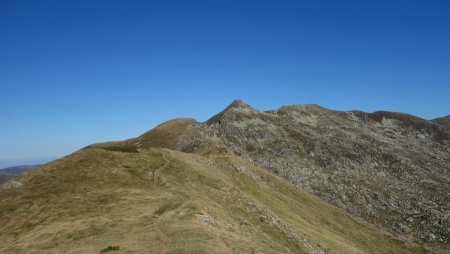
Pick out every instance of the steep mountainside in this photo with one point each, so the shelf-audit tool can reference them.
(230, 185)
(150, 200)
(392, 169)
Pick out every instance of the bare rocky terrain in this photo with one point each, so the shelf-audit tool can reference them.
(391, 169)
(236, 184)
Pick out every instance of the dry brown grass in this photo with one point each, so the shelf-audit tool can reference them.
(97, 198)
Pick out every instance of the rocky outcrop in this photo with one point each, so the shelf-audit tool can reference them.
(392, 169)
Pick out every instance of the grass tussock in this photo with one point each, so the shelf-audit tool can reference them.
(110, 248)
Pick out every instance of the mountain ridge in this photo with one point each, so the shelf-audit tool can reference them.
(289, 180)
(239, 122)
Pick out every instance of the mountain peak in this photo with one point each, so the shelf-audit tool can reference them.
(236, 107)
(239, 104)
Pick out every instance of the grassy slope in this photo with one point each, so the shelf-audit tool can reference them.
(154, 200)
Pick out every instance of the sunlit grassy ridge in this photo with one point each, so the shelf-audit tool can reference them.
(161, 201)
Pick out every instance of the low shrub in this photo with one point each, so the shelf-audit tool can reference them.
(110, 248)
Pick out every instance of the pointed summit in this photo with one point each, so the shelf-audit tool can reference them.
(236, 107)
(239, 104)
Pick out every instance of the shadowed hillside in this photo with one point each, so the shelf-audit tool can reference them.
(443, 121)
(10, 172)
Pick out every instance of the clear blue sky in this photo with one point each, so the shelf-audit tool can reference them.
(78, 72)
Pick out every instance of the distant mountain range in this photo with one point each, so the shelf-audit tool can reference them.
(10, 172)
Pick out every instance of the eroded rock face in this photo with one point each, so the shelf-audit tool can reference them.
(391, 169)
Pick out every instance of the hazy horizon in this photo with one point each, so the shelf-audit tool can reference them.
(6, 163)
